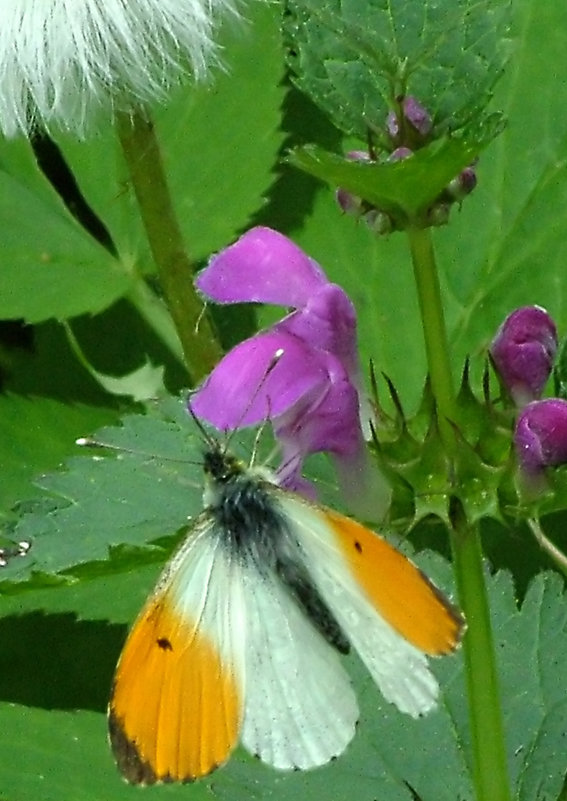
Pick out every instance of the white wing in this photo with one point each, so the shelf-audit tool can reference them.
(300, 709)
(399, 669)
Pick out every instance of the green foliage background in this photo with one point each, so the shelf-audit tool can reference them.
(100, 536)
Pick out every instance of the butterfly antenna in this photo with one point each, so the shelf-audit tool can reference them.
(91, 442)
(270, 367)
(210, 441)
(257, 438)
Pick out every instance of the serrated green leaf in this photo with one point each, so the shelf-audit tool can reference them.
(141, 384)
(147, 489)
(36, 434)
(355, 58)
(403, 188)
(50, 267)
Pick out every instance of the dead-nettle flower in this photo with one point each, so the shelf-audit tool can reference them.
(311, 392)
(62, 59)
(406, 135)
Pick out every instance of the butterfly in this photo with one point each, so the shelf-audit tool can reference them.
(241, 639)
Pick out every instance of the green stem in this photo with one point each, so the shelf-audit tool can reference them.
(200, 345)
(435, 334)
(490, 767)
(557, 556)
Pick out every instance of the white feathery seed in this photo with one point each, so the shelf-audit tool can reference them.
(60, 60)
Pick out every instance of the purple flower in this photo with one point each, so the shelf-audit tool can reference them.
(540, 437)
(523, 352)
(303, 373)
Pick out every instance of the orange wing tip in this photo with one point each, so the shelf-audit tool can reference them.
(129, 761)
(399, 591)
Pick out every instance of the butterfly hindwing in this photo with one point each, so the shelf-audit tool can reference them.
(301, 710)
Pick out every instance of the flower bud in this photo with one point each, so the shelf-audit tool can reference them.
(379, 222)
(540, 437)
(462, 185)
(349, 203)
(400, 153)
(414, 114)
(523, 352)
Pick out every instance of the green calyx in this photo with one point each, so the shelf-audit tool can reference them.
(479, 477)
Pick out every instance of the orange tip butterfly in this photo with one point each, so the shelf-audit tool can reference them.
(240, 640)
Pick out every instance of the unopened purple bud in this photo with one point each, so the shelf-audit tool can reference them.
(540, 438)
(392, 124)
(462, 185)
(358, 155)
(414, 113)
(349, 203)
(400, 153)
(523, 352)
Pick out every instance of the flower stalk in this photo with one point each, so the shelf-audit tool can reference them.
(434, 330)
(490, 768)
(557, 556)
(141, 150)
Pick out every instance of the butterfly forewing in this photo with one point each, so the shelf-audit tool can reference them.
(364, 596)
(177, 703)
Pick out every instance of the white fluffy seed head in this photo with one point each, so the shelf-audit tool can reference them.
(62, 59)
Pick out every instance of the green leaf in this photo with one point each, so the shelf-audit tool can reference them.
(144, 491)
(402, 189)
(66, 757)
(36, 434)
(143, 383)
(508, 246)
(50, 267)
(355, 58)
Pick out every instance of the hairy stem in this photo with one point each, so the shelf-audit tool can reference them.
(434, 331)
(490, 766)
(485, 718)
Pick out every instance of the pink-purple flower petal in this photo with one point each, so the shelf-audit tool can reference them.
(263, 266)
(259, 379)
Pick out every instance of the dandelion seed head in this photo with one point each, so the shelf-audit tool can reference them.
(61, 60)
